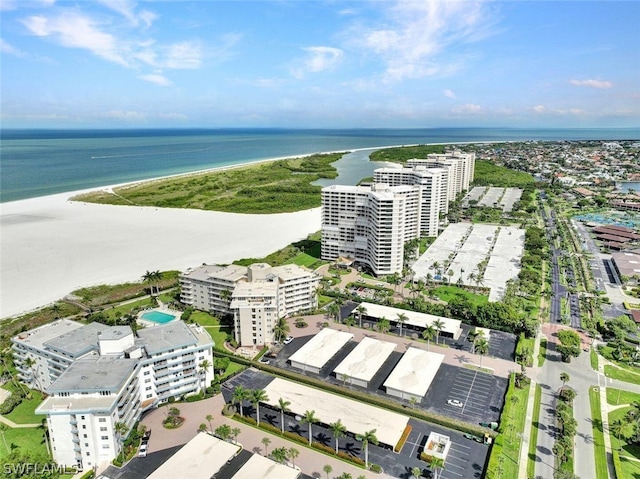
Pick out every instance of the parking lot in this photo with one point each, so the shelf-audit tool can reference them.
(466, 458)
(501, 345)
(481, 394)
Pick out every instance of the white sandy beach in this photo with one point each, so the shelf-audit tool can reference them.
(50, 246)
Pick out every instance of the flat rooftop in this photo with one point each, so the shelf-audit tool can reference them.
(422, 320)
(36, 338)
(72, 405)
(358, 417)
(415, 371)
(161, 338)
(98, 373)
(261, 467)
(200, 458)
(78, 341)
(229, 273)
(365, 360)
(322, 347)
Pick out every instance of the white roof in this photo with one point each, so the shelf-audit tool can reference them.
(358, 417)
(415, 371)
(264, 468)
(365, 360)
(200, 458)
(421, 320)
(322, 347)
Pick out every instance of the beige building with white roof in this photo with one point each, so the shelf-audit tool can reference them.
(256, 295)
(319, 350)
(413, 375)
(364, 361)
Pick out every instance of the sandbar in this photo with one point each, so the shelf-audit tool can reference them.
(51, 246)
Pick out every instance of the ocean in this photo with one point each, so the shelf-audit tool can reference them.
(37, 163)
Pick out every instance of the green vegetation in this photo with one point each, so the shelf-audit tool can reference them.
(533, 439)
(598, 434)
(623, 425)
(593, 359)
(213, 326)
(621, 374)
(29, 439)
(273, 187)
(542, 354)
(303, 253)
(404, 153)
(487, 173)
(24, 412)
(504, 458)
(616, 397)
(449, 293)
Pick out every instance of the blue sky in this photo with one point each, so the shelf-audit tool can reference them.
(324, 64)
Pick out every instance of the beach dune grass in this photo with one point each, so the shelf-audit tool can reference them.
(278, 186)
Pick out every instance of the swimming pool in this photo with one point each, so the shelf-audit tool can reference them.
(158, 317)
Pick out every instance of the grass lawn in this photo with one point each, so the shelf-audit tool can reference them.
(593, 358)
(23, 413)
(629, 453)
(231, 369)
(533, 440)
(212, 325)
(308, 261)
(126, 308)
(602, 471)
(30, 439)
(447, 293)
(621, 374)
(542, 354)
(618, 396)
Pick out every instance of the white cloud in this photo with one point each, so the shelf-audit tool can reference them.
(539, 108)
(125, 115)
(416, 33)
(183, 55)
(10, 49)
(127, 9)
(173, 116)
(319, 59)
(449, 94)
(156, 78)
(468, 108)
(77, 31)
(592, 83)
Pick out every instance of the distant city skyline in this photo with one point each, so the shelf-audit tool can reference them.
(315, 64)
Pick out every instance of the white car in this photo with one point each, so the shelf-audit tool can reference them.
(288, 340)
(454, 402)
(143, 451)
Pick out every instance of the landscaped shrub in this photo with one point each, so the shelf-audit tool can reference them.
(375, 468)
(10, 403)
(403, 438)
(426, 457)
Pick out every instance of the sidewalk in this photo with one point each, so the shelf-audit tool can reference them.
(526, 434)
(309, 461)
(12, 424)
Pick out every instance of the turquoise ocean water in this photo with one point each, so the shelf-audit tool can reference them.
(42, 162)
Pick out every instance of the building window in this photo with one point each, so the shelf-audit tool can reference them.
(102, 419)
(102, 429)
(82, 417)
(84, 426)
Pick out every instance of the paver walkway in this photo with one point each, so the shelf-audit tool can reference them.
(14, 425)
(309, 461)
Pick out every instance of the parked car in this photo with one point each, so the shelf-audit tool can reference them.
(143, 451)
(288, 340)
(454, 402)
(263, 360)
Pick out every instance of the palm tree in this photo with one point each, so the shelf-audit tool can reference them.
(339, 302)
(383, 325)
(416, 472)
(235, 432)
(362, 311)
(55, 309)
(225, 296)
(402, 318)
(240, 394)
(209, 418)
(339, 430)
(204, 367)
(309, 418)
(327, 469)
(265, 442)
(564, 377)
(121, 430)
(436, 464)
(29, 363)
(349, 322)
(292, 453)
(333, 310)
(202, 427)
(279, 455)
(3, 428)
(618, 427)
(366, 438)
(256, 396)
(438, 325)
(223, 431)
(482, 348)
(284, 407)
(281, 329)
(429, 333)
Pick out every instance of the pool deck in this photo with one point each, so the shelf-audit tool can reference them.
(150, 322)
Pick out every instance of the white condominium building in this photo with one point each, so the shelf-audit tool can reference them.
(97, 376)
(370, 224)
(434, 185)
(255, 295)
(461, 168)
